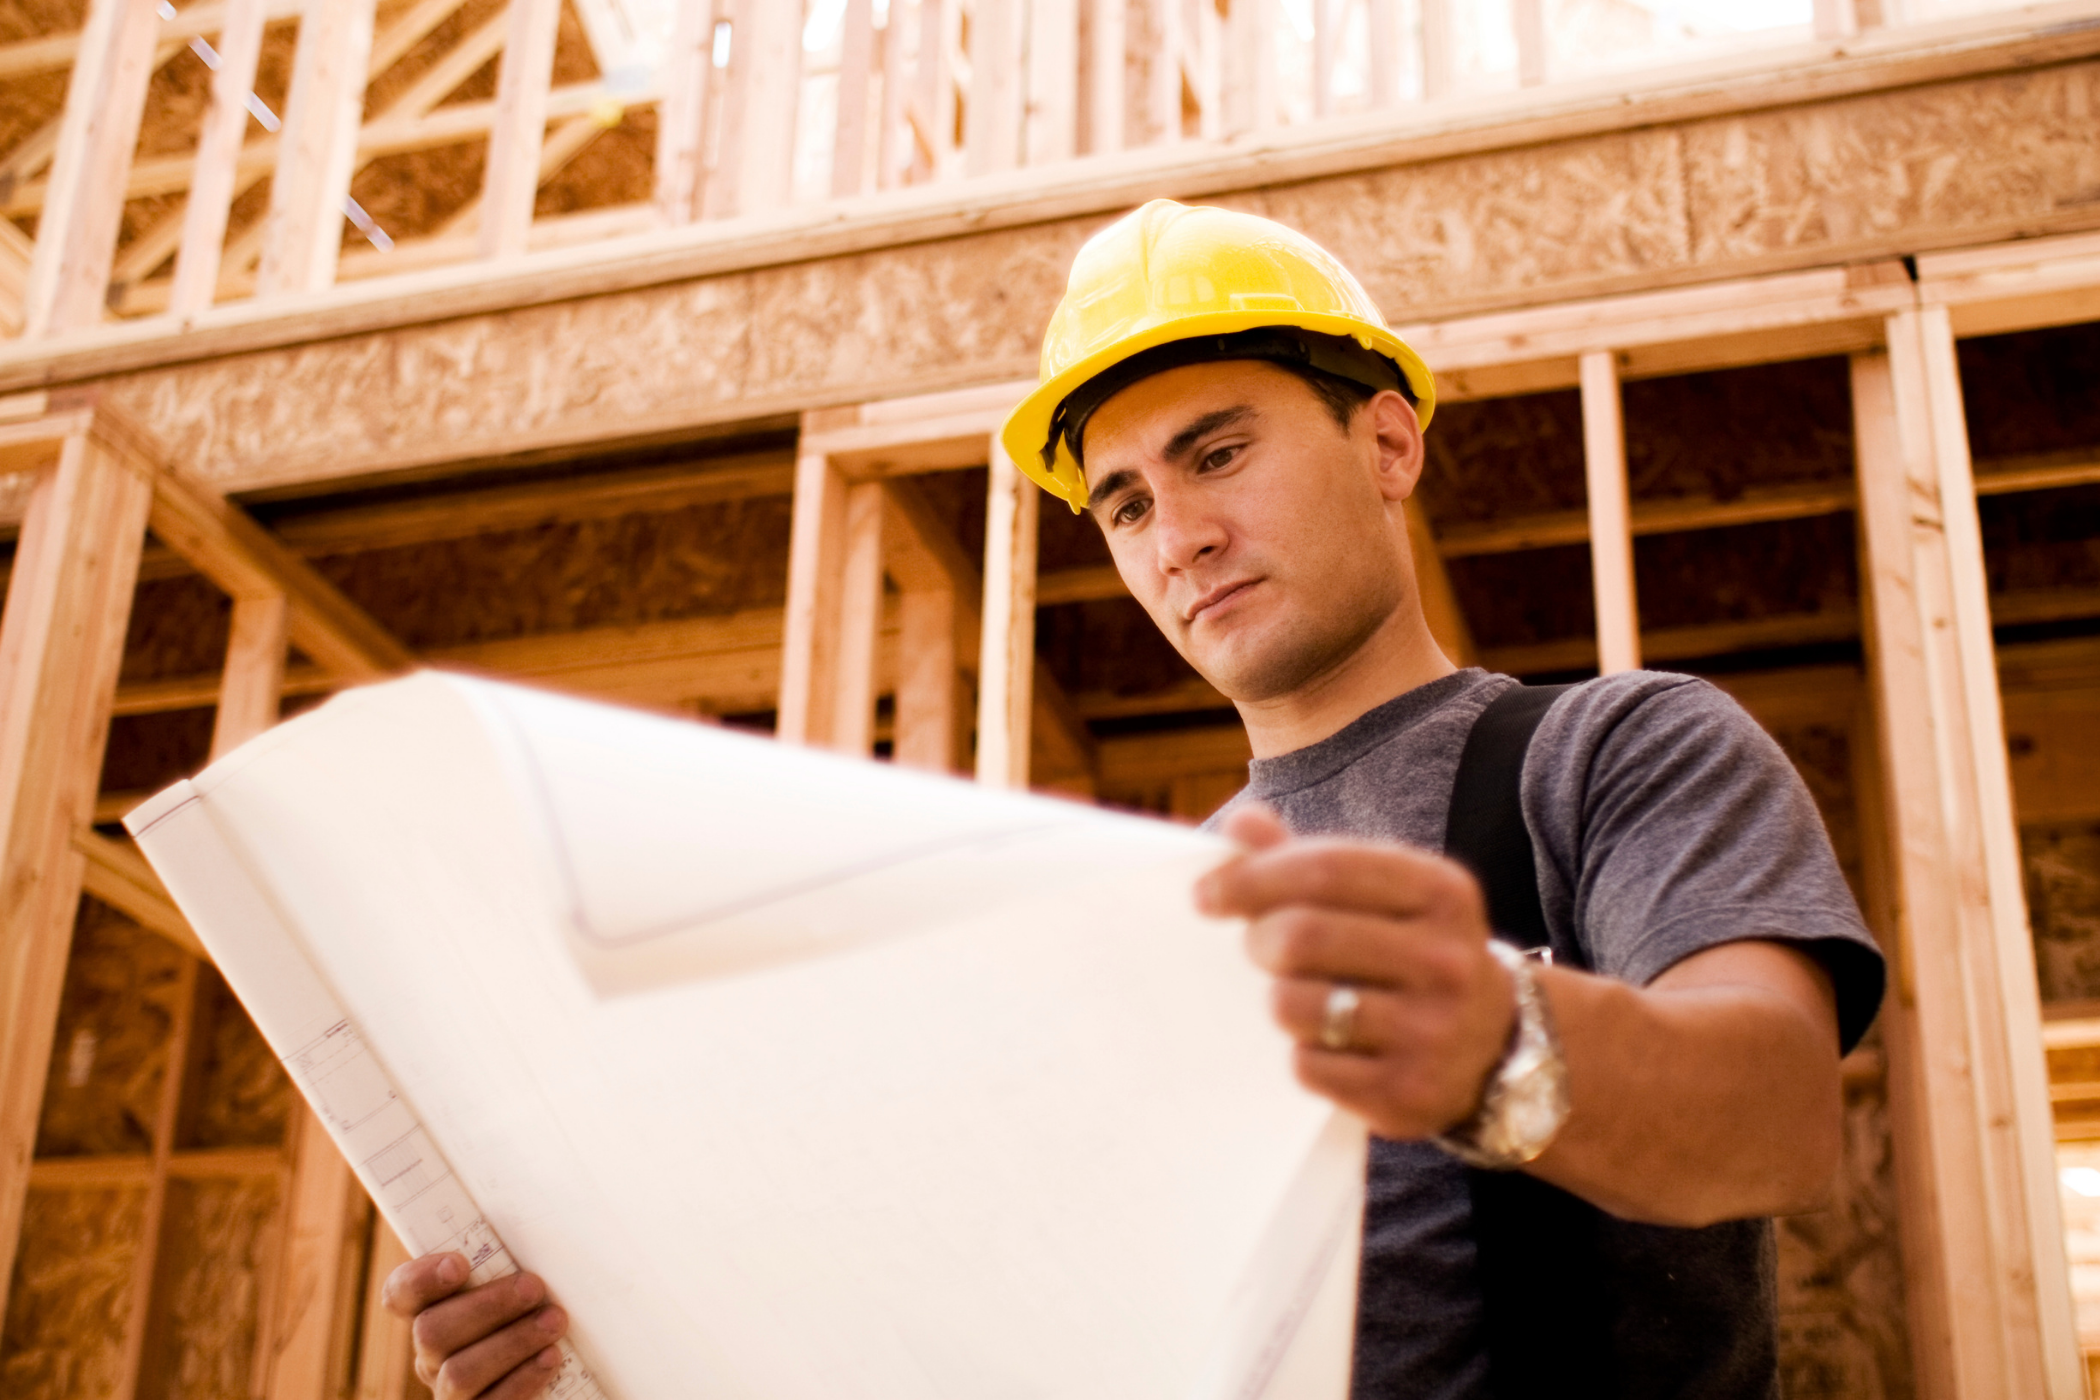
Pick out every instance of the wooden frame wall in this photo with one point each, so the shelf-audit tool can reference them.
(1988, 1301)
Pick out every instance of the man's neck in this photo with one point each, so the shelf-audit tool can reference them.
(1393, 660)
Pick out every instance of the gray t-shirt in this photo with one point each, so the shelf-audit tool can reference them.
(1664, 822)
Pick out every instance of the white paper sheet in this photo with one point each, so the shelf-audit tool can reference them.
(796, 1077)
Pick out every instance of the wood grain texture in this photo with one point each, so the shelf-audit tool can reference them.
(1579, 216)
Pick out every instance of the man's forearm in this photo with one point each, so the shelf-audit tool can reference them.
(1710, 1095)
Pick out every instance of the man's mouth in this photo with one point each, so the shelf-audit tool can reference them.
(1223, 593)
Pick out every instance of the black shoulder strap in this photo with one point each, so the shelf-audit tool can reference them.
(1486, 831)
(1543, 1287)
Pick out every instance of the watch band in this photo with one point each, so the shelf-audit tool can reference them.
(1525, 1100)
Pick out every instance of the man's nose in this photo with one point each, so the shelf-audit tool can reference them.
(1184, 534)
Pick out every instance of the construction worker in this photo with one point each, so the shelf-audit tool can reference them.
(1582, 957)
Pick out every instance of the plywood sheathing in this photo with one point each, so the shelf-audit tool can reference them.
(1707, 199)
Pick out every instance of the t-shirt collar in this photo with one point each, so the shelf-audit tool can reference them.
(1301, 768)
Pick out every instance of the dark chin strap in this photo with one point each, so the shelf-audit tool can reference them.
(1337, 355)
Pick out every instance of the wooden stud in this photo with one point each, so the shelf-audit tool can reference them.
(303, 232)
(387, 1349)
(1440, 609)
(940, 613)
(512, 180)
(213, 183)
(765, 89)
(1439, 48)
(16, 254)
(1163, 92)
(1989, 1301)
(1835, 19)
(1006, 657)
(321, 1208)
(1384, 36)
(893, 145)
(1534, 49)
(992, 130)
(681, 130)
(1108, 58)
(254, 676)
(1250, 67)
(1053, 80)
(1611, 533)
(61, 639)
(68, 275)
(849, 145)
(859, 622)
(932, 108)
(816, 574)
(143, 1370)
(1328, 19)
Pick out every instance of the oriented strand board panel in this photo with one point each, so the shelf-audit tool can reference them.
(71, 1295)
(1967, 161)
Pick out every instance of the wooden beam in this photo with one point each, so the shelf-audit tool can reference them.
(1440, 609)
(1328, 17)
(1163, 65)
(224, 543)
(61, 640)
(1611, 534)
(318, 150)
(1053, 81)
(816, 576)
(859, 621)
(1006, 656)
(118, 875)
(77, 229)
(50, 52)
(322, 1208)
(992, 127)
(1758, 505)
(215, 174)
(512, 180)
(1989, 1296)
(1439, 48)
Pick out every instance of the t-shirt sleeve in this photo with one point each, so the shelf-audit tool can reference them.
(1667, 821)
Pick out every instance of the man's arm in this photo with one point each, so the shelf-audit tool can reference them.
(1711, 1094)
(494, 1342)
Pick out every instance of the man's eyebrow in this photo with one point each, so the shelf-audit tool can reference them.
(1188, 437)
(1109, 485)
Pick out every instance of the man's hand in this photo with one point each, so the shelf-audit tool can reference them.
(495, 1342)
(1710, 1094)
(1409, 931)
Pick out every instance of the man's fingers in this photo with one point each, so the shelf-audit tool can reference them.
(514, 1361)
(1337, 946)
(454, 1325)
(417, 1284)
(1389, 880)
(1254, 826)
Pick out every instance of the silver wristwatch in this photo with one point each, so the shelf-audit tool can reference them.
(1525, 1100)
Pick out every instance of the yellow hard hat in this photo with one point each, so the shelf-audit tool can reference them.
(1169, 272)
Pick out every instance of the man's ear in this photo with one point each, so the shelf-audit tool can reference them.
(1398, 437)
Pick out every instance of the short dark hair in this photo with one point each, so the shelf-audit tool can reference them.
(1342, 374)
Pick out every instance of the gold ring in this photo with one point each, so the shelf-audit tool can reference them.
(1338, 1026)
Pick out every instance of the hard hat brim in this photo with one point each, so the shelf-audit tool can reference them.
(1027, 428)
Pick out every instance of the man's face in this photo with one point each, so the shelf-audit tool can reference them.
(1265, 541)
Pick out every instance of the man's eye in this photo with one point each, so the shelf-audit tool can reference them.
(1219, 457)
(1128, 512)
